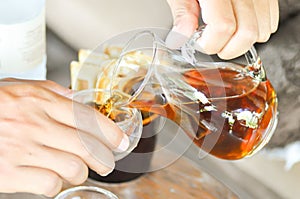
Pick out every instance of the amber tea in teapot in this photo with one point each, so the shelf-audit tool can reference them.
(229, 110)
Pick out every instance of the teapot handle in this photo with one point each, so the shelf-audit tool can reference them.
(254, 64)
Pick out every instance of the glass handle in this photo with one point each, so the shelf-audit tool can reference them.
(254, 64)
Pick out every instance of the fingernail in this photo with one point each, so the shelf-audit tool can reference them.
(124, 144)
(106, 173)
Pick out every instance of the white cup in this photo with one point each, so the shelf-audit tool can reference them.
(22, 39)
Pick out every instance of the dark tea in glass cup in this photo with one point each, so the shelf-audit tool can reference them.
(84, 75)
(136, 163)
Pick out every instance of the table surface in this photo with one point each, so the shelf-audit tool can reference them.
(182, 179)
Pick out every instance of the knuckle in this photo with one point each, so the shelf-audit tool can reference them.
(35, 94)
(50, 84)
(249, 33)
(74, 167)
(51, 184)
(226, 26)
(77, 171)
(28, 89)
(12, 146)
(263, 37)
(33, 90)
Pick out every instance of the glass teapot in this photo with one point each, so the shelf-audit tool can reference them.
(228, 108)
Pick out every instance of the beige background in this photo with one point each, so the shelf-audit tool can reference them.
(86, 23)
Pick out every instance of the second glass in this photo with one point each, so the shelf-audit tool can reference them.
(86, 192)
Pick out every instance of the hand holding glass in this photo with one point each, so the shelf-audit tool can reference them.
(129, 120)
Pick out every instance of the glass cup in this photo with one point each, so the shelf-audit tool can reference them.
(129, 120)
(86, 192)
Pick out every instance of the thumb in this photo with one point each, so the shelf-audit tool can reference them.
(185, 21)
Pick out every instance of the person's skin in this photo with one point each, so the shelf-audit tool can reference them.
(39, 143)
(232, 26)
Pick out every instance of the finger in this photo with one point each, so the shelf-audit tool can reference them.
(246, 33)
(70, 167)
(274, 15)
(71, 113)
(220, 25)
(89, 120)
(262, 10)
(185, 22)
(45, 83)
(92, 151)
(57, 88)
(65, 137)
(35, 180)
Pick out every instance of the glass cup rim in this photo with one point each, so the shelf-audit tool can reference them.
(87, 188)
(131, 111)
(79, 92)
(125, 51)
